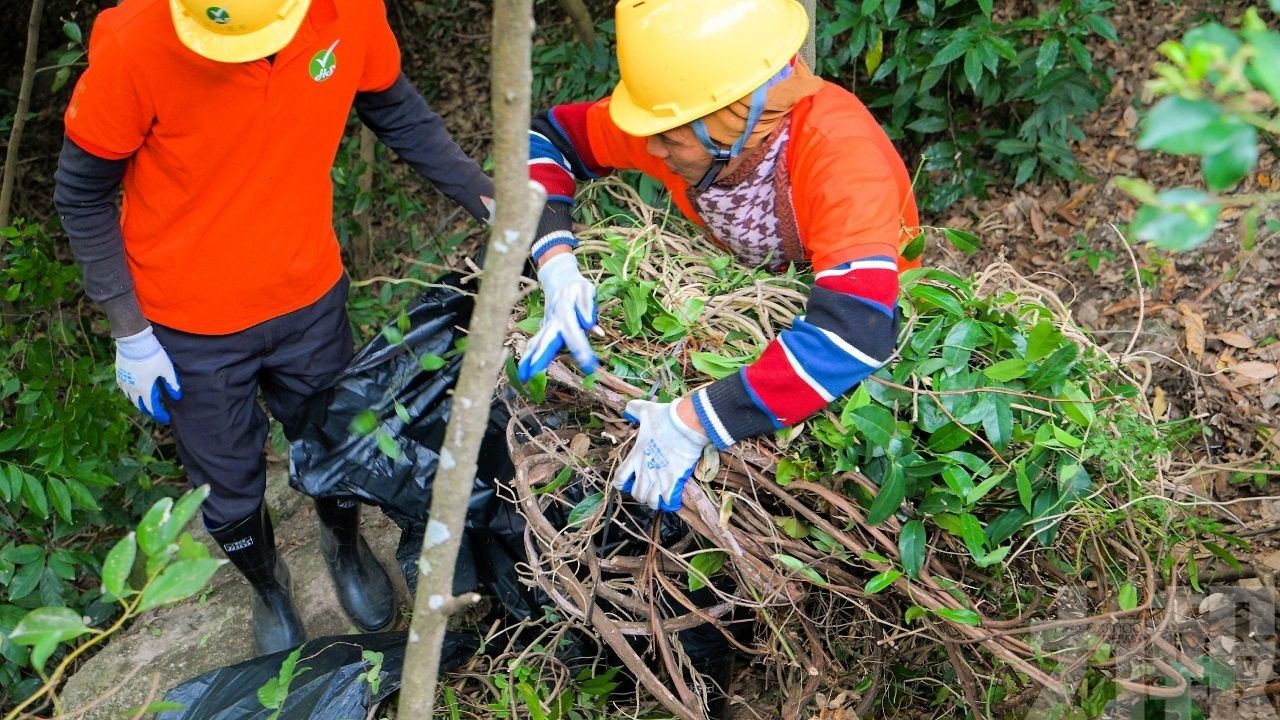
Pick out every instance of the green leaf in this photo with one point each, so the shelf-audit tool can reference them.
(915, 248)
(1181, 126)
(1183, 219)
(1080, 411)
(363, 423)
(387, 445)
(43, 629)
(716, 366)
(985, 6)
(948, 437)
(150, 537)
(881, 581)
(1054, 368)
(1044, 339)
(913, 613)
(928, 124)
(911, 545)
(1266, 59)
(179, 581)
(939, 298)
(875, 424)
(24, 581)
(36, 499)
(431, 362)
(797, 565)
(963, 241)
(704, 565)
(22, 554)
(973, 67)
(60, 498)
(959, 44)
(991, 558)
(1102, 27)
(1128, 596)
(875, 54)
(1230, 159)
(393, 334)
(117, 566)
(556, 483)
(72, 31)
(997, 422)
(1007, 370)
(889, 497)
(963, 617)
(585, 509)
(182, 512)
(1048, 55)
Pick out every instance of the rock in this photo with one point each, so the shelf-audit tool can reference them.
(174, 644)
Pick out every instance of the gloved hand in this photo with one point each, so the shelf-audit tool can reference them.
(142, 369)
(664, 456)
(570, 312)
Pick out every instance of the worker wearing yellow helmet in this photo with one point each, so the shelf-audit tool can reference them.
(778, 166)
(221, 118)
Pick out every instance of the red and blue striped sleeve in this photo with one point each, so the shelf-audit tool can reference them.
(848, 332)
(559, 157)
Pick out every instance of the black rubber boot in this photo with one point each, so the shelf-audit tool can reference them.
(250, 545)
(362, 583)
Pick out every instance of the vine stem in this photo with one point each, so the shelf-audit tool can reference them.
(52, 681)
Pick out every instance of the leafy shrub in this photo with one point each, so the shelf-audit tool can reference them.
(979, 93)
(156, 565)
(567, 70)
(74, 458)
(1221, 98)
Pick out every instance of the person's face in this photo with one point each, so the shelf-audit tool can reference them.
(681, 152)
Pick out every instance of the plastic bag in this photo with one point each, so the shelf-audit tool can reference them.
(405, 388)
(330, 688)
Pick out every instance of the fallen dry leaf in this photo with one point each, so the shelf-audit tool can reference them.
(1159, 404)
(1255, 370)
(1236, 339)
(1193, 327)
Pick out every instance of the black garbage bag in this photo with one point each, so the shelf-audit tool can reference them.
(406, 386)
(329, 689)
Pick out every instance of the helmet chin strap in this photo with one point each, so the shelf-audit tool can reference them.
(721, 156)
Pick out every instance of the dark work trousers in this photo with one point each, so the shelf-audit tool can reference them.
(219, 425)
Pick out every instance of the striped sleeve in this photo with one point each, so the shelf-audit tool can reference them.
(559, 157)
(847, 333)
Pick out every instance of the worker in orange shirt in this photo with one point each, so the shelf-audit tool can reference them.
(221, 275)
(779, 167)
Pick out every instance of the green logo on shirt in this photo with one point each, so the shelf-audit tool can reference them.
(324, 64)
(218, 15)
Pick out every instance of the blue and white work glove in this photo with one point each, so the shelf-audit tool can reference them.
(570, 313)
(142, 369)
(663, 458)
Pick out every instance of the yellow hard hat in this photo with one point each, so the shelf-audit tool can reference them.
(236, 31)
(684, 59)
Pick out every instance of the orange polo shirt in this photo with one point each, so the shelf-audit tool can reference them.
(851, 193)
(228, 204)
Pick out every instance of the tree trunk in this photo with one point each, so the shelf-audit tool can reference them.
(581, 16)
(20, 115)
(518, 207)
(810, 51)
